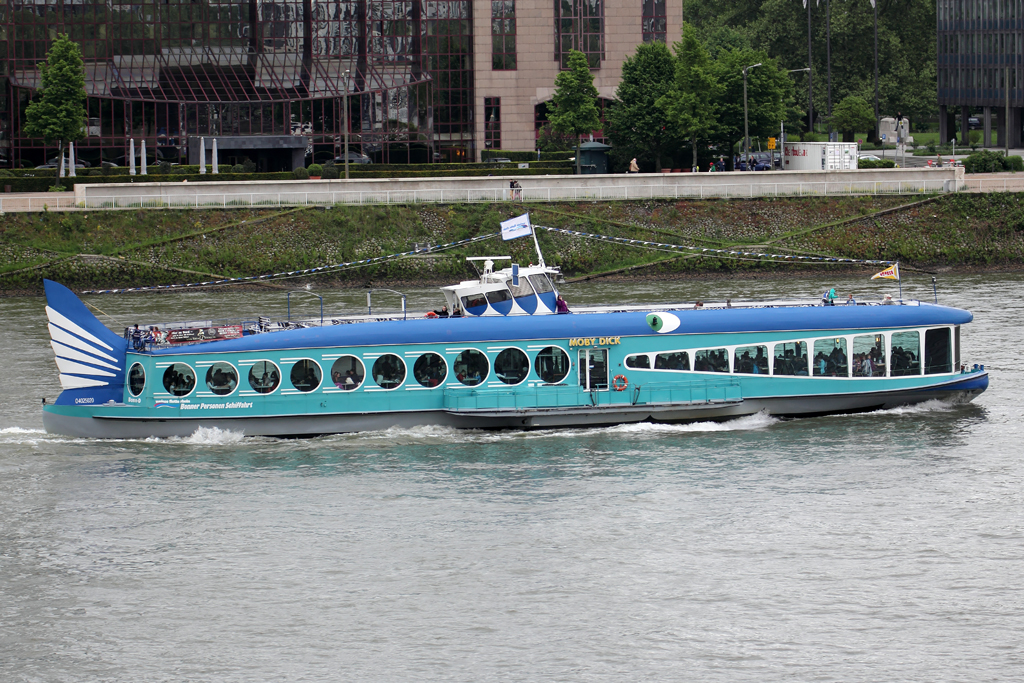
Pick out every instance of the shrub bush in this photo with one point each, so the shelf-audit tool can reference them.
(248, 166)
(1014, 163)
(300, 174)
(4, 173)
(873, 163)
(315, 169)
(95, 172)
(985, 161)
(238, 168)
(331, 172)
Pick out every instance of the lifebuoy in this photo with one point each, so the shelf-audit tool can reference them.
(620, 387)
(431, 314)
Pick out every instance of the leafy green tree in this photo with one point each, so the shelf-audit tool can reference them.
(691, 104)
(769, 94)
(851, 115)
(573, 108)
(58, 116)
(637, 122)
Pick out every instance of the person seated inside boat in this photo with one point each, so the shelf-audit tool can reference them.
(351, 380)
(338, 380)
(745, 364)
(560, 305)
(760, 362)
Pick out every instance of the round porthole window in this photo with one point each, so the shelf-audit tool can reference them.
(552, 365)
(306, 375)
(471, 367)
(221, 378)
(430, 370)
(347, 373)
(264, 377)
(512, 366)
(389, 371)
(136, 379)
(179, 379)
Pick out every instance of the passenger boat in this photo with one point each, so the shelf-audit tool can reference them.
(510, 361)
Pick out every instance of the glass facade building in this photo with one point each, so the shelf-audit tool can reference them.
(424, 80)
(980, 68)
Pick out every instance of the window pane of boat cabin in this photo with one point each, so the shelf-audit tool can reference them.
(905, 357)
(179, 379)
(347, 373)
(388, 371)
(830, 359)
(429, 370)
(512, 366)
(471, 367)
(264, 377)
(306, 375)
(956, 346)
(522, 289)
(791, 358)
(679, 360)
(498, 295)
(551, 365)
(750, 360)
(938, 356)
(641, 362)
(711, 360)
(593, 369)
(221, 379)
(541, 283)
(869, 355)
(136, 379)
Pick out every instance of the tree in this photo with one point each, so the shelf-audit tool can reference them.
(636, 123)
(58, 116)
(691, 102)
(573, 108)
(769, 91)
(851, 115)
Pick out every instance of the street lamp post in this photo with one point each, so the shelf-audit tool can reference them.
(874, 5)
(746, 133)
(345, 121)
(810, 74)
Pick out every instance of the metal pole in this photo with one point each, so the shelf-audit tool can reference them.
(746, 133)
(874, 4)
(828, 62)
(345, 122)
(1006, 115)
(810, 72)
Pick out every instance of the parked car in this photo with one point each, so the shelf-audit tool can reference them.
(353, 158)
(973, 123)
(78, 162)
(869, 157)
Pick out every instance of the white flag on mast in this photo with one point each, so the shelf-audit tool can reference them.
(516, 227)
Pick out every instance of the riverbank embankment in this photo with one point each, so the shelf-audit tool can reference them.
(101, 249)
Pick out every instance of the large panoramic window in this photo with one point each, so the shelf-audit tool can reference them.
(503, 35)
(869, 355)
(905, 354)
(791, 358)
(830, 357)
(430, 370)
(579, 25)
(492, 122)
(751, 360)
(938, 356)
(678, 360)
(711, 360)
(512, 366)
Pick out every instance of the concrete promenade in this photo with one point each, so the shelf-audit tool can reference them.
(493, 189)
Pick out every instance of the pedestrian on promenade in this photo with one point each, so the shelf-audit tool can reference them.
(633, 167)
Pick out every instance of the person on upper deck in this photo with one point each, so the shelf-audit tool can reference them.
(560, 305)
(443, 313)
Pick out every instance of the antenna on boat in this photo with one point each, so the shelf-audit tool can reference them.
(935, 291)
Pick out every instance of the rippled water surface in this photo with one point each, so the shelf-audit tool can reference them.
(877, 547)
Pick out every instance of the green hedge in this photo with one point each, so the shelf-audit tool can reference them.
(873, 163)
(987, 161)
(526, 156)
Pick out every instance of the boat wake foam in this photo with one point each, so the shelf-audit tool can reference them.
(207, 436)
(933, 406)
(760, 420)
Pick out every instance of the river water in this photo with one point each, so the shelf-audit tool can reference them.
(876, 547)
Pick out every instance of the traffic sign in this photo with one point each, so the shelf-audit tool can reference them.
(771, 143)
